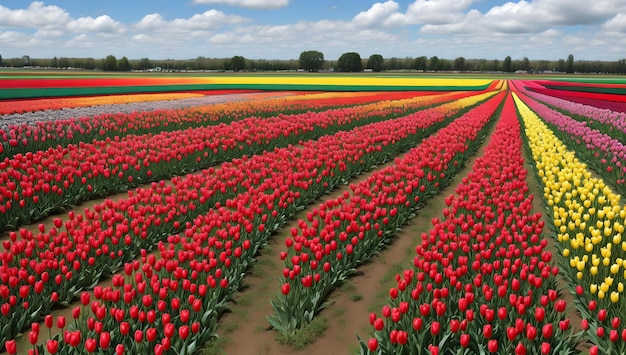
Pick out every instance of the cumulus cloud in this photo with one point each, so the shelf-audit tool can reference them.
(436, 11)
(540, 15)
(616, 24)
(36, 15)
(102, 23)
(209, 20)
(252, 4)
(377, 15)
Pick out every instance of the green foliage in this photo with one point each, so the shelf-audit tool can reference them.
(238, 63)
(305, 336)
(459, 64)
(420, 63)
(507, 65)
(123, 64)
(109, 63)
(311, 60)
(350, 62)
(434, 63)
(376, 62)
(144, 63)
(569, 64)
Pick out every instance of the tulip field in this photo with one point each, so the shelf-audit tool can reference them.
(134, 209)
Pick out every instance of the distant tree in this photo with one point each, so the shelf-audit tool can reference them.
(375, 62)
(64, 62)
(350, 62)
(525, 64)
(0, 59)
(311, 60)
(569, 64)
(420, 63)
(238, 63)
(54, 62)
(109, 63)
(144, 63)
(495, 65)
(621, 66)
(26, 60)
(434, 63)
(507, 65)
(445, 64)
(89, 64)
(123, 64)
(560, 66)
(459, 64)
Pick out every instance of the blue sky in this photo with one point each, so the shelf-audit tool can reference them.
(282, 29)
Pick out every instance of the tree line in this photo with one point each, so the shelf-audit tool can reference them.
(313, 60)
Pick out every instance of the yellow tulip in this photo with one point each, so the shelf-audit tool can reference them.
(593, 270)
(614, 269)
(604, 287)
(614, 297)
(566, 252)
(593, 288)
(620, 287)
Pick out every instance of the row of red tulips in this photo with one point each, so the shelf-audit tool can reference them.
(343, 233)
(482, 280)
(35, 184)
(239, 204)
(41, 135)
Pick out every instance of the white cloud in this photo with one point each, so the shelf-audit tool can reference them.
(377, 15)
(253, 4)
(436, 11)
(616, 24)
(209, 20)
(36, 15)
(102, 23)
(540, 15)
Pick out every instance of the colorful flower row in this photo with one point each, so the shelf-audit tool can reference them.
(241, 200)
(604, 153)
(613, 102)
(612, 123)
(41, 135)
(38, 86)
(589, 222)
(482, 280)
(37, 183)
(345, 232)
(21, 106)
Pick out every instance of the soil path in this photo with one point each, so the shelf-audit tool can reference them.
(245, 329)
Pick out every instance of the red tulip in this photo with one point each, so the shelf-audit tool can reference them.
(183, 332)
(52, 346)
(465, 340)
(90, 345)
(435, 328)
(547, 330)
(372, 344)
(11, 346)
(492, 346)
